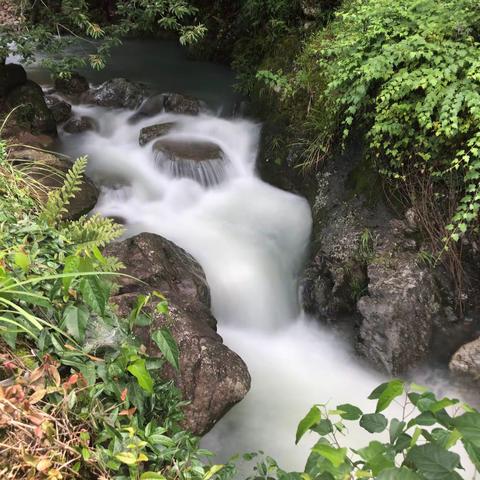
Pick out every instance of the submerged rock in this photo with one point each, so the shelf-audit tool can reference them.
(116, 93)
(466, 361)
(147, 134)
(79, 125)
(167, 102)
(61, 110)
(211, 376)
(33, 113)
(49, 171)
(75, 85)
(198, 160)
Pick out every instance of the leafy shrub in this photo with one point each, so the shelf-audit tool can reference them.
(407, 71)
(417, 446)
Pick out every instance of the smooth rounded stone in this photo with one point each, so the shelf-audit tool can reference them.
(49, 171)
(11, 75)
(167, 102)
(80, 125)
(212, 377)
(117, 93)
(61, 110)
(147, 134)
(188, 150)
(200, 161)
(466, 361)
(33, 113)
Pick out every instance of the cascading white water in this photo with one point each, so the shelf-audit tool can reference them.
(251, 240)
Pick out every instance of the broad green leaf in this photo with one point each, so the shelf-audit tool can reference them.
(396, 428)
(168, 346)
(311, 419)
(152, 476)
(22, 260)
(71, 265)
(335, 455)
(373, 422)
(95, 293)
(386, 393)
(349, 412)
(468, 425)
(212, 471)
(434, 462)
(324, 427)
(139, 371)
(75, 321)
(128, 458)
(402, 473)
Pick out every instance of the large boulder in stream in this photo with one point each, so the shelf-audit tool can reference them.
(116, 93)
(466, 361)
(80, 125)
(211, 376)
(72, 86)
(49, 171)
(32, 113)
(60, 109)
(167, 102)
(201, 161)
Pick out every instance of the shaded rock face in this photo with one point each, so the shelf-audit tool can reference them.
(200, 161)
(147, 134)
(116, 93)
(61, 110)
(399, 312)
(366, 272)
(79, 125)
(466, 361)
(167, 102)
(49, 171)
(33, 112)
(211, 377)
(11, 76)
(75, 85)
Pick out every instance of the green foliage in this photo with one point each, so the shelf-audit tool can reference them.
(408, 72)
(55, 288)
(50, 26)
(418, 445)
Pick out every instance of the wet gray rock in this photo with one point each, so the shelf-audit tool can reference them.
(147, 134)
(49, 170)
(466, 361)
(33, 113)
(80, 125)
(116, 93)
(75, 85)
(61, 110)
(167, 102)
(399, 312)
(211, 376)
(188, 150)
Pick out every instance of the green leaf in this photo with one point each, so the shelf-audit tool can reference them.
(22, 260)
(95, 293)
(373, 422)
(335, 455)
(139, 371)
(386, 393)
(71, 265)
(396, 428)
(152, 476)
(126, 457)
(74, 321)
(324, 427)
(434, 462)
(168, 346)
(468, 425)
(349, 412)
(402, 473)
(311, 419)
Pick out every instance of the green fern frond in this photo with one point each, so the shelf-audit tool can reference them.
(89, 232)
(59, 199)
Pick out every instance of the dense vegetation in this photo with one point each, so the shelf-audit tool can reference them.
(406, 72)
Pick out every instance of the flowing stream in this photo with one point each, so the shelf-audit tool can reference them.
(252, 240)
